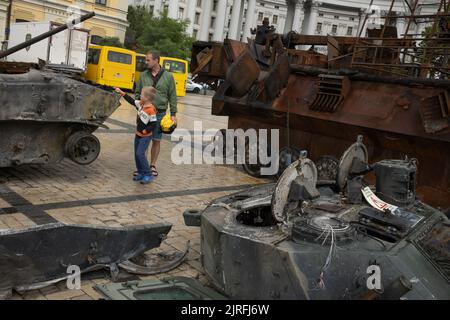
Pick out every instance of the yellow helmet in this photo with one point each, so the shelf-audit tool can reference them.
(167, 125)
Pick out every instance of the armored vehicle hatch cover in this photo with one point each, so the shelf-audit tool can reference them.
(177, 288)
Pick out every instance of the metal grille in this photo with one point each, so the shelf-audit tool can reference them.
(332, 91)
(435, 112)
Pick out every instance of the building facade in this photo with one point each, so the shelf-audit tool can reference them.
(217, 19)
(110, 19)
(3, 18)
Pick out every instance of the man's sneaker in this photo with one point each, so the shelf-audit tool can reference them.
(138, 177)
(146, 179)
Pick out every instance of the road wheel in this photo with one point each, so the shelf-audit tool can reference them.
(82, 147)
(196, 90)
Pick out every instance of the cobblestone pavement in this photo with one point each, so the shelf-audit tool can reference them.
(104, 194)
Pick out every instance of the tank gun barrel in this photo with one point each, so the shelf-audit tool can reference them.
(45, 35)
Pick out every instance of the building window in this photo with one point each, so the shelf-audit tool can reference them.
(210, 37)
(320, 14)
(181, 13)
(262, 4)
(349, 31)
(352, 19)
(199, 3)
(319, 28)
(260, 16)
(197, 18)
(336, 17)
(213, 20)
(277, 7)
(101, 2)
(152, 9)
(275, 19)
(194, 33)
(21, 20)
(215, 5)
(166, 8)
(334, 29)
(229, 21)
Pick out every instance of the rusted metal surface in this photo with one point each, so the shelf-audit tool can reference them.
(243, 74)
(16, 67)
(383, 87)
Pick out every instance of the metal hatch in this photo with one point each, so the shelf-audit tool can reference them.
(176, 288)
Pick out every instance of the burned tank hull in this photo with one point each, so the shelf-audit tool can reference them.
(261, 262)
(46, 116)
(305, 238)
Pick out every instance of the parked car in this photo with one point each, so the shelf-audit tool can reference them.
(194, 87)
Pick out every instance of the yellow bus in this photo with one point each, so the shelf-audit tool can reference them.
(111, 66)
(178, 67)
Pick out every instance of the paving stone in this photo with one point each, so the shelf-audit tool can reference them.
(64, 295)
(91, 292)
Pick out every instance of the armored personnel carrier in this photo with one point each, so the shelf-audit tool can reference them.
(391, 87)
(303, 238)
(49, 114)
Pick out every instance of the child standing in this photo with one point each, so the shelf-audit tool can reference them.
(145, 122)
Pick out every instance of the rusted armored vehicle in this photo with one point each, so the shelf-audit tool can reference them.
(48, 114)
(391, 87)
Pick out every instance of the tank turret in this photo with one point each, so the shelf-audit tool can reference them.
(47, 115)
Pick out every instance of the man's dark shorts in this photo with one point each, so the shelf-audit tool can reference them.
(157, 133)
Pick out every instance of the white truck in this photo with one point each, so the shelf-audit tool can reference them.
(67, 49)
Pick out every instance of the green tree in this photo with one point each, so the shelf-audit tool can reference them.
(158, 33)
(138, 17)
(110, 41)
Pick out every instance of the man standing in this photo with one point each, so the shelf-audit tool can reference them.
(166, 95)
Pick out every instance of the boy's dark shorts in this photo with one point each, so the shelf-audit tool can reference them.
(157, 133)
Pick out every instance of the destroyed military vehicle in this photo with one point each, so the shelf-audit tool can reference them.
(47, 114)
(307, 238)
(391, 86)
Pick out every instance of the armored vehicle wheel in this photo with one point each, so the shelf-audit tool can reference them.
(82, 147)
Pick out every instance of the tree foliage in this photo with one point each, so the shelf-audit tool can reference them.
(158, 33)
(111, 41)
